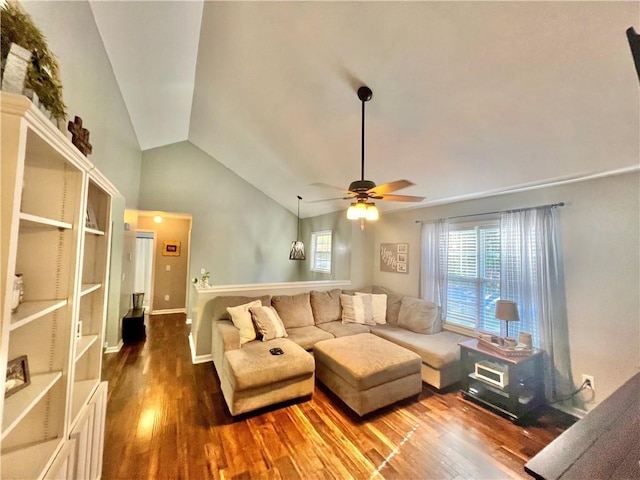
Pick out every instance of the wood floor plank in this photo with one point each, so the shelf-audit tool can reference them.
(166, 419)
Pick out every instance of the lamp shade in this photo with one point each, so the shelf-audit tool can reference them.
(507, 310)
(363, 210)
(297, 250)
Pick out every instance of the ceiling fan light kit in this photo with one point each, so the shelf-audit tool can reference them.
(363, 210)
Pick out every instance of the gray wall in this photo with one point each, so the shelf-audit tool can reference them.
(341, 248)
(238, 234)
(91, 92)
(600, 236)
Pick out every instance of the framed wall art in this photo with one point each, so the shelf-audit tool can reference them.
(394, 257)
(17, 375)
(171, 248)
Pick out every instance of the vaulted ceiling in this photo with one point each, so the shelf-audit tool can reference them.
(468, 97)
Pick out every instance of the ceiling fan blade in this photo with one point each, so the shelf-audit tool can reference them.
(400, 198)
(390, 187)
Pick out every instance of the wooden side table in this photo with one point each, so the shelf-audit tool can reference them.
(515, 391)
(133, 328)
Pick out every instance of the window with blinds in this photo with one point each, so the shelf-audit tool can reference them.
(321, 251)
(473, 284)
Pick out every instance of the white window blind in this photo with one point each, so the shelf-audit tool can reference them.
(321, 251)
(473, 276)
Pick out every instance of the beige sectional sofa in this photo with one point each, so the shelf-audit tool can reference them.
(246, 369)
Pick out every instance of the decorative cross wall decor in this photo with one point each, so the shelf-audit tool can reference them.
(80, 136)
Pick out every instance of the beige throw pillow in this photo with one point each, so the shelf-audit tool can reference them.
(379, 305)
(357, 309)
(394, 301)
(418, 315)
(241, 318)
(268, 323)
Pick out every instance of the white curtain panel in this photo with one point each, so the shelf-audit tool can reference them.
(531, 275)
(144, 263)
(433, 268)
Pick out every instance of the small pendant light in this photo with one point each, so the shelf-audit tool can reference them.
(297, 246)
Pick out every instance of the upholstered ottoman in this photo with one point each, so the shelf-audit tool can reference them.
(367, 372)
(253, 378)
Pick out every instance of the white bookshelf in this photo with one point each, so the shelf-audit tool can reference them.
(48, 188)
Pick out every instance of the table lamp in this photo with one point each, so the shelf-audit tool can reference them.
(508, 311)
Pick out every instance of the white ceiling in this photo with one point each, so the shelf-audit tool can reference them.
(468, 97)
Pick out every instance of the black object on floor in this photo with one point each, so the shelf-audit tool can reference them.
(133, 328)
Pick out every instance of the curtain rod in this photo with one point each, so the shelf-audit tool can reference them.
(551, 205)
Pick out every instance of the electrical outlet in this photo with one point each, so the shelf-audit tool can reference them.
(166, 298)
(590, 379)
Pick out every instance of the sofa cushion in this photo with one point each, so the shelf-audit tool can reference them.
(241, 318)
(294, 310)
(267, 322)
(308, 336)
(418, 315)
(394, 301)
(368, 289)
(439, 350)
(253, 365)
(326, 306)
(379, 306)
(365, 361)
(357, 309)
(339, 329)
(221, 303)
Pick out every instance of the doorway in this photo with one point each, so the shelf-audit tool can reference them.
(143, 282)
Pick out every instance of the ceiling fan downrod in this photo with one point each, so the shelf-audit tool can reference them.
(362, 186)
(364, 94)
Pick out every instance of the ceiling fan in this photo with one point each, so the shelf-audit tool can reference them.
(362, 190)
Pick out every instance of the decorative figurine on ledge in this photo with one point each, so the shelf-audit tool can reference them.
(80, 136)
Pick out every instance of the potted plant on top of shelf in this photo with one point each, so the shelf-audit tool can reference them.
(42, 75)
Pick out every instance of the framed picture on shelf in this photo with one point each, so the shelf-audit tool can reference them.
(90, 220)
(171, 248)
(17, 375)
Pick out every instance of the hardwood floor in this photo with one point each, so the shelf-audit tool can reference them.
(166, 418)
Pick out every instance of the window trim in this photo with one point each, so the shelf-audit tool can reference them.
(314, 237)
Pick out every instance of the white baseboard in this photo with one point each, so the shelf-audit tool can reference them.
(198, 358)
(168, 311)
(114, 349)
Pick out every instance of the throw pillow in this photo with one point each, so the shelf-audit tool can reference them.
(326, 306)
(419, 316)
(379, 304)
(241, 318)
(394, 302)
(268, 323)
(294, 310)
(220, 304)
(357, 309)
